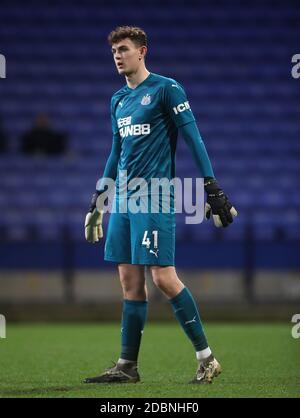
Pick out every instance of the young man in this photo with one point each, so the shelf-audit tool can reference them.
(147, 114)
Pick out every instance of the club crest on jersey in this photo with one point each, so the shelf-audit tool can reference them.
(146, 100)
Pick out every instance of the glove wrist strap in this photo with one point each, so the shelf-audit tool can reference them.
(211, 186)
(94, 201)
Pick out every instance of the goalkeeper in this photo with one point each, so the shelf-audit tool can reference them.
(147, 115)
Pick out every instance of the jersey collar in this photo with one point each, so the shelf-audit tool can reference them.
(141, 84)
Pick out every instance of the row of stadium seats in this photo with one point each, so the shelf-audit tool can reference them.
(270, 201)
(234, 172)
(45, 228)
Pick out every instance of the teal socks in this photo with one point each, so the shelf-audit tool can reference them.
(186, 312)
(133, 321)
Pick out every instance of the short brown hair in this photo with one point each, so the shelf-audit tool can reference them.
(137, 35)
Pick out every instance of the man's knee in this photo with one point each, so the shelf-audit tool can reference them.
(132, 282)
(161, 276)
(166, 279)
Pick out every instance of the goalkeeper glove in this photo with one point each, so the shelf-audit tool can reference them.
(218, 204)
(93, 221)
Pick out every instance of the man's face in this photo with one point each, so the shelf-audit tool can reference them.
(126, 56)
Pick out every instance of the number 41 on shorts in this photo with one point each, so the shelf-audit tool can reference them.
(147, 241)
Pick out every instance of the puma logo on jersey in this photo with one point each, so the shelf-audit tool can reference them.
(155, 253)
(181, 107)
(192, 320)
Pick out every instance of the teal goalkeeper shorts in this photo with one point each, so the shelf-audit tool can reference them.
(141, 238)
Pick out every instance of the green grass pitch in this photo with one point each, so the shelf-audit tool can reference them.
(50, 360)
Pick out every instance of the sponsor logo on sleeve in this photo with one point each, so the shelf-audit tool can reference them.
(181, 108)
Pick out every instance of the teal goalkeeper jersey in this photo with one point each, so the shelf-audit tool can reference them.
(146, 120)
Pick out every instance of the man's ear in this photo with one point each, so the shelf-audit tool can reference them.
(143, 51)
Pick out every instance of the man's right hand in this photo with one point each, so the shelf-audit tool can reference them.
(93, 221)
